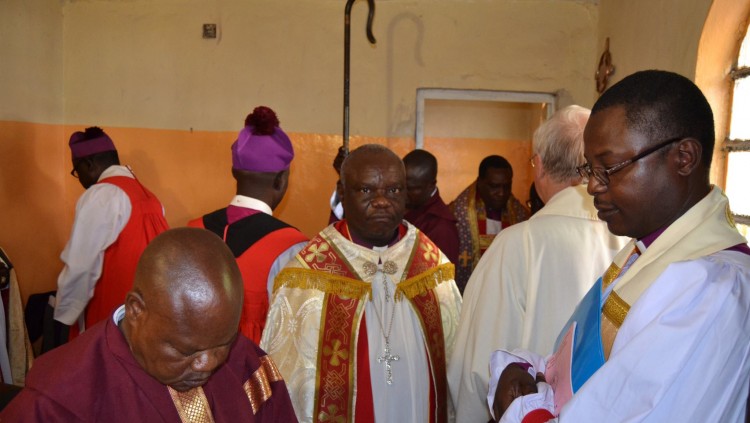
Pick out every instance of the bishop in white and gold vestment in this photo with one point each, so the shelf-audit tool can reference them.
(363, 333)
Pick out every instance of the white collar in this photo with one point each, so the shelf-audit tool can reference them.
(119, 314)
(251, 203)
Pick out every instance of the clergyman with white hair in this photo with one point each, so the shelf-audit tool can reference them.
(532, 276)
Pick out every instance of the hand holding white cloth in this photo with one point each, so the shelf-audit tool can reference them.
(521, 406)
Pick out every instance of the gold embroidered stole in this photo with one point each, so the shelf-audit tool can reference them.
(192, 405)
(703, 230)
(328, 270)
(615, 308)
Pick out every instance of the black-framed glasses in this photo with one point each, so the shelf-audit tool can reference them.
(76, 163)
(602, 174)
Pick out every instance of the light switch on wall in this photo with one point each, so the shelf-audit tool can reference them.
(209, 30)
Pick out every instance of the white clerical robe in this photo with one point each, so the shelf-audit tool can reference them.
(293, 329)
(524, 289)
(682, 353)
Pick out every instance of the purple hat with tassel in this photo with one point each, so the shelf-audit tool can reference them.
(261, 145)
(92, 141)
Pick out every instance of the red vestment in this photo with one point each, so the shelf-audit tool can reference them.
(256, 241)
(120, 259)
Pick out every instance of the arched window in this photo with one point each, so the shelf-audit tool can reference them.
(737, 143)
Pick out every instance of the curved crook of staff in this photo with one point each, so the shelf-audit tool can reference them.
(347, 48)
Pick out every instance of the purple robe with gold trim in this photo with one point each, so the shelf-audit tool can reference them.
(97, 379)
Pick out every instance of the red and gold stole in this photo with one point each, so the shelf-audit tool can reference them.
(342, 329)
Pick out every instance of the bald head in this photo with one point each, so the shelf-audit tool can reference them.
(189, 268)
(182, 315)
(368, 153)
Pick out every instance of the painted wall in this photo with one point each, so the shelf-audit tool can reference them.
(34, 212)
(128, 63)
(31, 48)
(174, 101)
(651, 34)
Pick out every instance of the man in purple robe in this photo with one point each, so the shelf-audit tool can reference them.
(425, 208)
(171, 353)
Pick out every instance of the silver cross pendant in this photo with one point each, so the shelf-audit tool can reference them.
(387, 358)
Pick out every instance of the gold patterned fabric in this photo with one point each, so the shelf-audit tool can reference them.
(258, 386)
(701, 231)
(314, 322)
(192, 405)
(615, 308)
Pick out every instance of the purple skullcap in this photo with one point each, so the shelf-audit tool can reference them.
(83, 144)
(261, 145)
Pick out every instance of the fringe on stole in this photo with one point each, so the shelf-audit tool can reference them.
(425, 281)
(353, 288)
(326, 282)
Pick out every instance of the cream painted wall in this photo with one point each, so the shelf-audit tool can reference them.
(140, 69)
(143, 63)
(651, 34)
(31, 66)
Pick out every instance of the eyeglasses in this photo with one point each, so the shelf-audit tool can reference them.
(76, 163)
(602, 174)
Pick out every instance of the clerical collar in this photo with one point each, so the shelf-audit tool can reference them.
(492, 214)
(649, 239)
(645, 242)
(251, 203)
(118, 315)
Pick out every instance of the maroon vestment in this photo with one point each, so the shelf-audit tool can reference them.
(95, 378)
(436, 221)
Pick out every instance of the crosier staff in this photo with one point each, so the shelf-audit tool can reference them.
(347, 48)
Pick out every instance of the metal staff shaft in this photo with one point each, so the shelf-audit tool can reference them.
(347, 48)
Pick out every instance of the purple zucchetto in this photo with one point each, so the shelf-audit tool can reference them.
(92, 141)
(261, 145)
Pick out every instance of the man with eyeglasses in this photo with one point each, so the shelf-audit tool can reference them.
(663, 334)
(115, 219)
(532, 276)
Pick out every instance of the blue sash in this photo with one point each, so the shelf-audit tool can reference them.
(588, 354)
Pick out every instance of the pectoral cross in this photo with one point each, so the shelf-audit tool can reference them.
(387, 358)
